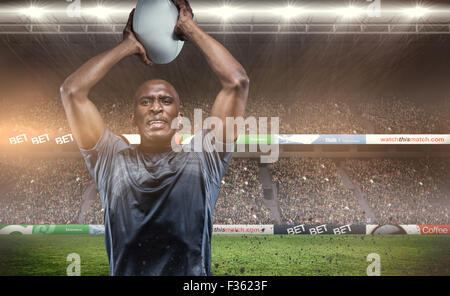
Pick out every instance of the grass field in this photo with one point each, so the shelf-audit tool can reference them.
(245, 255)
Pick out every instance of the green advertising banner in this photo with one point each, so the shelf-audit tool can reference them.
(61, 229)
(255, 139)
(44, 229)
(243, 139)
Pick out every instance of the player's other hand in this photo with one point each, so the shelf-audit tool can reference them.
(186, 15)
(129, 37)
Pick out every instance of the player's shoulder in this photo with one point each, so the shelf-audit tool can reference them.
(117, 142)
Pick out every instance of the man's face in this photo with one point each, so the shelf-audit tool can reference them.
(156, 105)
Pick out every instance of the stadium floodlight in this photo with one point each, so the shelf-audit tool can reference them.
(227, 11)
(288, 12)
(350, 11)
(100, 11)
(416, 11)
(33, 12)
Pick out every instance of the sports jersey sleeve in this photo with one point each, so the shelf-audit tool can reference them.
(215, 158)
(100, 158)
(214, 154)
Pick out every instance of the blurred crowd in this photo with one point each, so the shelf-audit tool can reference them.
(402, 116)
(310, 190)
(45, 191)
(296, 116)
(241, 196)
(405, 191)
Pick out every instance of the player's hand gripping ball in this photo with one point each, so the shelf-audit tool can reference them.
(129, 35)
(155, 25)
(185, 15)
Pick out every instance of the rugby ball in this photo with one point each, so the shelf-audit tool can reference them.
(153, 23)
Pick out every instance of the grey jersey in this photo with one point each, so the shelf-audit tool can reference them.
(158, 207)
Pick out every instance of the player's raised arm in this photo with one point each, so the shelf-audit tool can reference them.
(232, 99)
(84, 118)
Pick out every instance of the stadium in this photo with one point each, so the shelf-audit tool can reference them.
(360, 90)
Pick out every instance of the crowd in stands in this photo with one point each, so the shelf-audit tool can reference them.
(296, 116)
(394, 116)
(241, 196)
(38, 117)
(405, 191)
(45, 190)
(310, 190)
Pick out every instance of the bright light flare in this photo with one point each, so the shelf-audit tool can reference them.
(100, 12)
(227, 12)
(350, 12)
(288, 12)
(33, 12)
(417, 11)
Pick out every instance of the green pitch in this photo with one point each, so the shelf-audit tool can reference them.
(245, 255)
